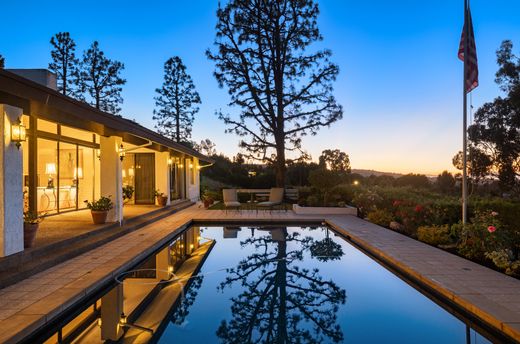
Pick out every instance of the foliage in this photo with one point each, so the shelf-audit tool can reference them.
(65, 64)
(445, 182)
(102, 204)
(176, 102)
(505, 260)
(414, 180)
(100, 78)
(2, 62)
(335, 160)
(157, 193)
(206, 147)
(484, 234)
(495, 132)
(31, 217)
(128, 192)
(283, 88)
(434, 235)
(381, 217)
(478, 163)
(367, 201)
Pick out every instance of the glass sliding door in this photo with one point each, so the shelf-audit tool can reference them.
(68, 175)
(85, 175)
(47, 188)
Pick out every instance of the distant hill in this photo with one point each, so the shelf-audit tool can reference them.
(367, 173)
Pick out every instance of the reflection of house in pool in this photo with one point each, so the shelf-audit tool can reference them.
(231, 232)
(277, 233)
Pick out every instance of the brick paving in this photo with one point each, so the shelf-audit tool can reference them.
(33, 302)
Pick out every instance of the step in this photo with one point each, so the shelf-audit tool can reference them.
(29, 262)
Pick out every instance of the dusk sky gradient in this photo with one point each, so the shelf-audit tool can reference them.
(400, 81)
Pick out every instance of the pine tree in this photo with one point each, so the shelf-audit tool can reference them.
(100, 78)
(282, 85)
(176, 102)
(65, 64)
(2, 61)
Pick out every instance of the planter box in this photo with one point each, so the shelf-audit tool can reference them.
(348, 210)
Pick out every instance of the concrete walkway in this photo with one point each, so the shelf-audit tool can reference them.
(31, 303)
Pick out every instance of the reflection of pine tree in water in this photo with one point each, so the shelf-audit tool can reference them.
(182, 309)
(326, 249)
(280, 302)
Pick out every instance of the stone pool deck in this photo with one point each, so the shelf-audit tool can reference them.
(30, 304)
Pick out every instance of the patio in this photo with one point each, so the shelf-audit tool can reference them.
(56, 228)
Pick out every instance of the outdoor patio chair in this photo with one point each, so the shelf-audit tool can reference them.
(230, 198)
(275, 199)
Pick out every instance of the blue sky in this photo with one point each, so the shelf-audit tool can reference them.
(400, 81)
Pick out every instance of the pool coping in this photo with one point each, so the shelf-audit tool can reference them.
(124, 252)
(510, 330)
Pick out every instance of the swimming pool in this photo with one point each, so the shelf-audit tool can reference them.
(282, 284)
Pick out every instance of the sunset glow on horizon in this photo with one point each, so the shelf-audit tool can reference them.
(400, 81)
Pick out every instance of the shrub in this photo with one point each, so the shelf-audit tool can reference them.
(368, 201)
(434, 235)
(504, 260)
(381, 217)
(484, 234)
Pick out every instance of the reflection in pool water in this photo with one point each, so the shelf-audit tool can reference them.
(303, 285)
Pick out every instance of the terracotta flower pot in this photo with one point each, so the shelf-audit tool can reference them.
(161, 200)
(29, 234)
(207, 203)
(99, 217)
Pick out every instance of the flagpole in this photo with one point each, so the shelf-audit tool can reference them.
(465, 120)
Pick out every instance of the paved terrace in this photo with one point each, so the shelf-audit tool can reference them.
(31, 303)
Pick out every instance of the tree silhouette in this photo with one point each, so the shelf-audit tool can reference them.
(326, 249)
(280, 302)
(176, 103)
(2, 61)
(283, 89)
(335, 160)
(100, 79)
(65, 64)
(182, 310)
(494, 137)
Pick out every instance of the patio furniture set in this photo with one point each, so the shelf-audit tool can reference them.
(274, 201)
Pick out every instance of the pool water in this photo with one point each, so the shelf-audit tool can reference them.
(303, 285)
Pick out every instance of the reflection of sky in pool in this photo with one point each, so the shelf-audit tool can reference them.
(293, 285)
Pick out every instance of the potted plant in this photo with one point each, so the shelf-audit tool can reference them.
(128, 193)
(31, 223)
(99, 209)
(207, 199)
(161, 198)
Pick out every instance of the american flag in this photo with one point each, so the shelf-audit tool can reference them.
(471, 76)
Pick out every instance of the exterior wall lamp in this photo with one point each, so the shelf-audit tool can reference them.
(18, 133)
(122, 152)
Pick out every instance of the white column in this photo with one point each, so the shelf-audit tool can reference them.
(162, 173)
(111, 309)
(11, 188)
(111, 176)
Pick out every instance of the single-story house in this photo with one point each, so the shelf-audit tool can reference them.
(58, 152)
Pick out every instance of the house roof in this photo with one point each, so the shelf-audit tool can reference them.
(43, 102)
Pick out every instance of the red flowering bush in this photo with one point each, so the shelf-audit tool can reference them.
(484, 234)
